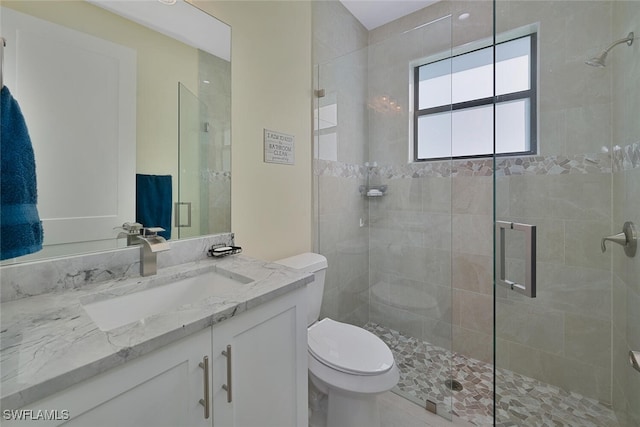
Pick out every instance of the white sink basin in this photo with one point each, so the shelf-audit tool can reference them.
(111, 311)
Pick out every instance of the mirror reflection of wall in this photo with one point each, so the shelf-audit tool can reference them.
(100, 97)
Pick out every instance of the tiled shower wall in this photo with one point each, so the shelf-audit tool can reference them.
(626, 207)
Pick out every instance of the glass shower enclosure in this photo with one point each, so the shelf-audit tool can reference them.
(385, 226)
(437, 253)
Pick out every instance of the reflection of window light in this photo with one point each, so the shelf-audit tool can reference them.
(326, 130)
(168, 2)
(326, 116)
(327, 147)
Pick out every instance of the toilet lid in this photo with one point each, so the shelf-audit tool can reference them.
(348, 348)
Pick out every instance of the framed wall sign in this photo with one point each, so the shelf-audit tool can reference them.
(279, 148)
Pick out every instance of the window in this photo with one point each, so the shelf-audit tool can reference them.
(453, 103)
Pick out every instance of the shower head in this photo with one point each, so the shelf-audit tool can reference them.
(599, 61)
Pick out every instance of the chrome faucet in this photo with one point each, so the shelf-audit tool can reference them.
(151, 244)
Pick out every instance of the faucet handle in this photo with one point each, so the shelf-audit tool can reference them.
(130, 227)
(131, 231)
(151, 231)
(628, 239)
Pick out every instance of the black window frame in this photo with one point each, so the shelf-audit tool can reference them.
(531, 94)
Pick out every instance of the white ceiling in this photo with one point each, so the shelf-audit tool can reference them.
(374, 13)
(181, 21)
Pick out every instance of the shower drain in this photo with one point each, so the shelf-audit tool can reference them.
(453, 385)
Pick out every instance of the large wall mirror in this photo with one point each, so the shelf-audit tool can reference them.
(115, 93)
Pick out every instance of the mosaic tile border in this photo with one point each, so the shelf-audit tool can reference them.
(521, 401)
(554, 165)
(337, 169)
(623, 158)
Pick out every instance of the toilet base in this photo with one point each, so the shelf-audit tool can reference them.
(346, 409)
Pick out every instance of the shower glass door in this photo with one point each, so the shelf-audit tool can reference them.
(561, 357)
(384, 220)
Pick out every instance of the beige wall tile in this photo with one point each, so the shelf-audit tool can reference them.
(437, 332)
(472, 195)
(473, 273)
(473, 344)
(569, 196)
(567, 374)
(436, 194)
(576, 290)
(473, 234)
(532, 325)
(583, 244)
(588, 340)
(476, 312)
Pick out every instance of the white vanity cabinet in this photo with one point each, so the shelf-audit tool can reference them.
(267, 374)
(162, 388)
(260, 366)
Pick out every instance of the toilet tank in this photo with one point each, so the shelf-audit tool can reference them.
(310, 263)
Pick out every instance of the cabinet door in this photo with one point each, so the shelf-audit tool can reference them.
(268, 366)
(162, 388)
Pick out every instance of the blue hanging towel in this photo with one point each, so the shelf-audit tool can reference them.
(154, 201)
(20, 226)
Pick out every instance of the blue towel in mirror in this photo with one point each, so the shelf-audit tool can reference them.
(20, 226)
(154, 201)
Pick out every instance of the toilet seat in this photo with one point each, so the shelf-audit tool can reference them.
(347, 348)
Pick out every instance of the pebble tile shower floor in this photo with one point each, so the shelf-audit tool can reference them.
(522, 401)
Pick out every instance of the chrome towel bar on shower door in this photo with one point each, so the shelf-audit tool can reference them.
(529, 287)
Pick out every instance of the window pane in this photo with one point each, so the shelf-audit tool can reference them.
(472, 76)
(513, 66)
(434, 136)
(512, 126)
(466, 132)
(473, 131)
(469, 132)
(434, 88)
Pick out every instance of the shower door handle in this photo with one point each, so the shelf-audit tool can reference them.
(529, 286)
(178, 211)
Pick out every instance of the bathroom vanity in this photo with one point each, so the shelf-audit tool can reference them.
(234, 357)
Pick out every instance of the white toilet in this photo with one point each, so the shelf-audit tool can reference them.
(352, 366)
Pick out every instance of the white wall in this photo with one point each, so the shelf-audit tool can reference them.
(271, 204)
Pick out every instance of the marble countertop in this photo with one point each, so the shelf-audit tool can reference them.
(48, 342)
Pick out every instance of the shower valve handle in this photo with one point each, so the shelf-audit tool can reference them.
(627, 239)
